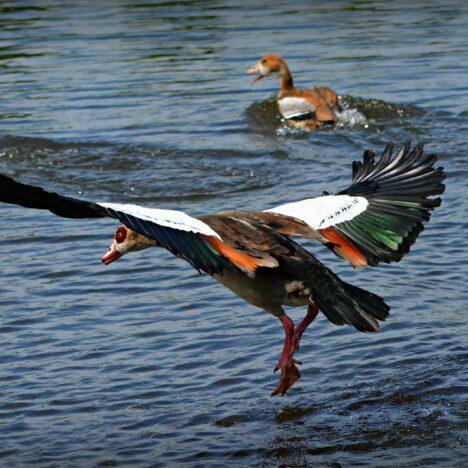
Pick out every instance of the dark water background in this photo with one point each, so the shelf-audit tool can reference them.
(147, 362)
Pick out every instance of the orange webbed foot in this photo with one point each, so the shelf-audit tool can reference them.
(289, 374)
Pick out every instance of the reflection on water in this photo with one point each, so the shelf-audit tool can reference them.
(147, 362)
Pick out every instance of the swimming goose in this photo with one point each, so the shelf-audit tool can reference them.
(302, 108)
(376, 219)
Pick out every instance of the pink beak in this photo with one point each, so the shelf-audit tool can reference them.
(111, 256)
(255, 69)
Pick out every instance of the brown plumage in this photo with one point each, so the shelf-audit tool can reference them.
(303, 108)
(376, 219)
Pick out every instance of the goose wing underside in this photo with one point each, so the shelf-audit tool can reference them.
(182, 235)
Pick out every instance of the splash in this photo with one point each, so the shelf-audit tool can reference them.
(350, 118)
(287, 130)
(356, 113)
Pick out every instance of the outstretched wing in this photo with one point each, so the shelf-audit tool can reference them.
(184, 236)
(379, 217)
(16, 193)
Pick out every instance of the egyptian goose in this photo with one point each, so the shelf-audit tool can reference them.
(302, 108)
(376, 219)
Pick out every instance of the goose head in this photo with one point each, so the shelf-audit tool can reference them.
(125, 240)
(268, 64)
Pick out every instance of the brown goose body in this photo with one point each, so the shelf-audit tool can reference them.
(288, 277)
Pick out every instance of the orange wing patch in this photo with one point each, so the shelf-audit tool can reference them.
(344, 248)
(242, 260)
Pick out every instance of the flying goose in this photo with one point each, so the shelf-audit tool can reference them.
(376, 219)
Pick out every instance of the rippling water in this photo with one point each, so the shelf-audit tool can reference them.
(147, 362)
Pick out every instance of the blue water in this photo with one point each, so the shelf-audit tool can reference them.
(146, 362)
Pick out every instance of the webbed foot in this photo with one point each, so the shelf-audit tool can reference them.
(289, 374)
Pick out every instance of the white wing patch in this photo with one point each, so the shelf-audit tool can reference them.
(291, 107)
(323, 212)
(168, 218)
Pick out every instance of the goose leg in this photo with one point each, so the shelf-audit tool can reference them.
(289, 372)
(312, 312)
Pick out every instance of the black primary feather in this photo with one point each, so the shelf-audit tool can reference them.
(29, 196)
(398, 190)
(187, 245)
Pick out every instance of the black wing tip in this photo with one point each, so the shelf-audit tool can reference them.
(407, 157)
(30, 196)
(390, 147)
(399, 171)
(402, 189)
(5, 177)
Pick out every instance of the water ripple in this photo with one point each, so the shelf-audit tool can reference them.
(145, 361)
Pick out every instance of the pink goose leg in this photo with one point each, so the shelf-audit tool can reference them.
(289, 372)
(312, 312)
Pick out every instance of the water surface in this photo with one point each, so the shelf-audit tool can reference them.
(147, 362)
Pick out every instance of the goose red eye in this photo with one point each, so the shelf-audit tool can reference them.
(121, 234)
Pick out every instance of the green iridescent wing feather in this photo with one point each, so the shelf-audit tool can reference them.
(398, 190)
